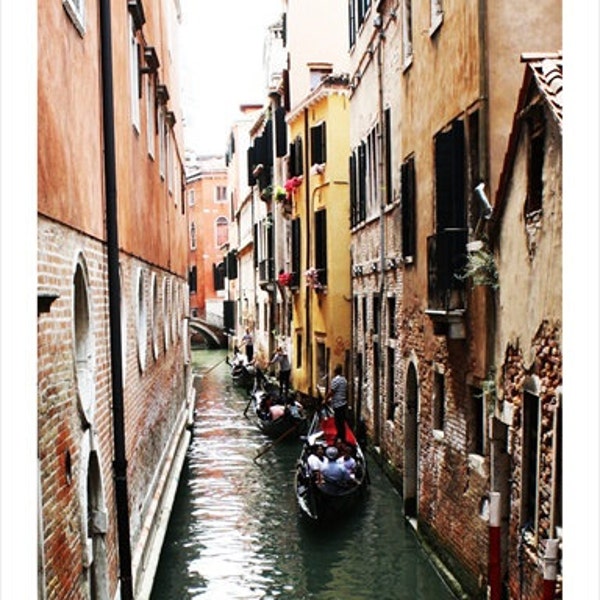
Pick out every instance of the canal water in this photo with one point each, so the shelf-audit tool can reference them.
(236, 532)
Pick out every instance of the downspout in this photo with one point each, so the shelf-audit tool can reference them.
(309, 348)
(114, 292)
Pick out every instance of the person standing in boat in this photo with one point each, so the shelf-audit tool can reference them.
(285, 369)
(248, 343)
(337, 397)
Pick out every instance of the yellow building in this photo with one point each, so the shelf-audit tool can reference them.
(320, 239)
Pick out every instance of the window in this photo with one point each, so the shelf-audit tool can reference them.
(296, 250)
(142, 320)
(193, 279)
(191, 197)
(376, 314)
(321, 359)
(134, 75)
(162, 142)
(84, 342)
(296, 159)
(407, 47)
(476, 422)
(318, 73)
(76, 11)
(165, 303)
(391, 404)
(170, 161)
(436, 15)
(408, 199)
(321, 245)
(365, 316)
(193, 240)
(318, 144)
(221, 231)
(530, 451)
(155, 312)
(558, 478)
(535, 163)
(438, 400)
(298, 350)
(220, 193)
(150, 115)
(391, 317)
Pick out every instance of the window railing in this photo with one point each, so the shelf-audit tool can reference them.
(446, 260)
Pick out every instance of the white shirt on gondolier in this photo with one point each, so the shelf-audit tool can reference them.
(339, 388)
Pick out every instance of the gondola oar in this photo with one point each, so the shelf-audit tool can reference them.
(248, 405)
(271, 445)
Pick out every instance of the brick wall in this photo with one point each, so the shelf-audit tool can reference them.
(154, 402)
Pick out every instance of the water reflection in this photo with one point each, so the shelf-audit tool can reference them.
(236, 532)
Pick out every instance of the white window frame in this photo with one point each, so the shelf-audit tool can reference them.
(162, 151)
(134, 75)
(150, 115)
(407, 36)
(76, 11)
(436, 15)
(165, 303)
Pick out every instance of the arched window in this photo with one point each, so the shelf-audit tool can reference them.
(83, 339)
(165, 300)
(221, 231)
(155, 313)
(142, 316)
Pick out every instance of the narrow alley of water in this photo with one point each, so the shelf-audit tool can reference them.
(236, 531)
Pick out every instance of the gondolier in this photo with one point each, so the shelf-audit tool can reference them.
(337, 397)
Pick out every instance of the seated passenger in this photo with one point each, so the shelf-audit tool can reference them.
(316, 461)
(347, 460)
(333, 471)
(276, 411)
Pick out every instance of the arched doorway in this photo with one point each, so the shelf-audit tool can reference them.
(411, 443)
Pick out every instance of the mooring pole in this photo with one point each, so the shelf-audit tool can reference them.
(550, 568)
(495, 556)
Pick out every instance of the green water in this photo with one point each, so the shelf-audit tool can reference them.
(236, 532)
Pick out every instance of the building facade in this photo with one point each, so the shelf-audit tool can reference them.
(209, 223)
(114, 395)
(526, 448)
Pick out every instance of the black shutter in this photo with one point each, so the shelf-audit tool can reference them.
(281, 132)
(296, 249)
(255, 245)
(443, 181)
(352, 180)
(231, 265)
(407, 176)
(229, 316)
(299, 156)
(321, 245)
(251, 165)
(362, 182)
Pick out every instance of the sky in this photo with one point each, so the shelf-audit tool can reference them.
(221, 59)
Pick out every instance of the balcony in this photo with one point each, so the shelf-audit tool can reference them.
(446, 259)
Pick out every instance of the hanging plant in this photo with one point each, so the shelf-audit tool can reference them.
(480, 268)
(311, 276)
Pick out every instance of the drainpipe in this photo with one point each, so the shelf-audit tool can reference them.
(307, 199)
(114, 291)
(495, 557)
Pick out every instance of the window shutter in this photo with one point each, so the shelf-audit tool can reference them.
(296, 249)
(281, 131)
(321, 245)
(352, 179)
(407, 177)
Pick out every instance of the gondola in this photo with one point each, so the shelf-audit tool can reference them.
(322, 499)
(242, 372)
(275, 416)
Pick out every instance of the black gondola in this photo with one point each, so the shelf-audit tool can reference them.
(242, 372)
(275, 415)
(320, 498)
